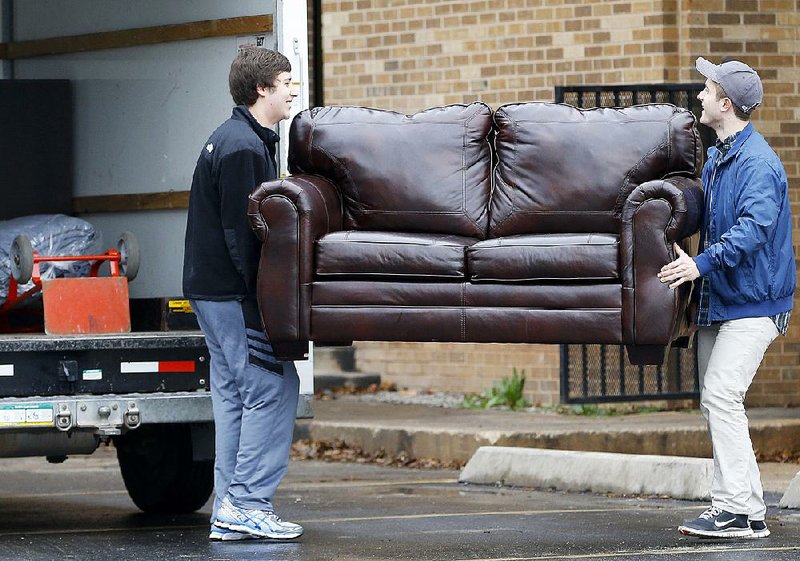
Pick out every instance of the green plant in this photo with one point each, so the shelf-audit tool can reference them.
(592, 410)
(506, 392)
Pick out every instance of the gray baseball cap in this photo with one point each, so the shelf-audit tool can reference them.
(740, 82)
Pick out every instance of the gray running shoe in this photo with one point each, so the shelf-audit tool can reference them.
(717, 523)
(759, 528)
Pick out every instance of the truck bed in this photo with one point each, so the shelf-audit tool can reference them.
(138, 340)
(44, 365)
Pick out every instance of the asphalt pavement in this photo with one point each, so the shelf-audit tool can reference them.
(79, 510)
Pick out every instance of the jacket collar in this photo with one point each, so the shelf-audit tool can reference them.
(268, 136)
(741, 138)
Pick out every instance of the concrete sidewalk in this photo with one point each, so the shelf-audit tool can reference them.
(449, 434)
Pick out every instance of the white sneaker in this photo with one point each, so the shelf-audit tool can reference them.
(261, 523)
(218, 533)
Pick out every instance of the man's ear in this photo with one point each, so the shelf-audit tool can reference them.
(727, 104)
(263, 90)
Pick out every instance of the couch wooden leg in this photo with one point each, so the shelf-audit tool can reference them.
(642, 355)
(291, 350)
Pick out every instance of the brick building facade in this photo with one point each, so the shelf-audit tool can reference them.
(407, 55)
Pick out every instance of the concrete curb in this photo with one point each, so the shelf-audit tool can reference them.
(442, 444)
(458, 444)
(352, 380)
(791, 498)
(426, 438)
(600, 472)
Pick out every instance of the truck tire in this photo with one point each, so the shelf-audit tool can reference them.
(159, 471)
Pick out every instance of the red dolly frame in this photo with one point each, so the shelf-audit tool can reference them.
(22, 251)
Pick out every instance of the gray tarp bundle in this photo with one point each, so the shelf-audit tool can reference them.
(50, 234)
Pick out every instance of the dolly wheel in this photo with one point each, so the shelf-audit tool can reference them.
(128, 247)
(21, 259)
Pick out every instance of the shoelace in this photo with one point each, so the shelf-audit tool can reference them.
(262, 515)
(711, 512)
(275, 518)
(257, 516)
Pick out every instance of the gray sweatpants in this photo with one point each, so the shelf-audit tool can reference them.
(254, 397)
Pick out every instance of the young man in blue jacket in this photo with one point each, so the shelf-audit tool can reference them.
(254, 396)
(744, 291)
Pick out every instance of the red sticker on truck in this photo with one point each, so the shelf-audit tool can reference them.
(151, 367)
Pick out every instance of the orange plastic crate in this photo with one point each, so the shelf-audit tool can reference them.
(86, 305)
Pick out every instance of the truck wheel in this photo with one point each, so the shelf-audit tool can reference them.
(128, 247)
(159, 472)
(21, 259)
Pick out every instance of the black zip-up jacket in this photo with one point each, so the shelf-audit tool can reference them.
(222, 252)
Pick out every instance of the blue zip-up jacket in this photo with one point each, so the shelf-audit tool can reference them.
(750, 262)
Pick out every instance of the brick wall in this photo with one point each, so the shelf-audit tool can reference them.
(408, 55)
(766, 35)
(463, 367)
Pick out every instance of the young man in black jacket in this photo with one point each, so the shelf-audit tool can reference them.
(253, 394)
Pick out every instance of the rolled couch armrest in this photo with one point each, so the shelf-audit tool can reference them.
(685, 196)
(289, 215)
(655, 215)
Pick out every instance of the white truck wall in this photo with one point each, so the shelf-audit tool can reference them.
(293, 42)
(142, 114)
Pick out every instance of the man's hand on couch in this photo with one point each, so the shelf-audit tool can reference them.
(682, 270)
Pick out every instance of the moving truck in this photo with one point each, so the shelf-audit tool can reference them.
(105, 106)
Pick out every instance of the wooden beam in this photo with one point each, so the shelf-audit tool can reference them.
(131, 203)
(247, 25)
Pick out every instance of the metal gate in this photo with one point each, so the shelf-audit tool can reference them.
(602, 373)
(680, 95)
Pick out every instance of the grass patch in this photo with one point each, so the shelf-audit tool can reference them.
(506, 393)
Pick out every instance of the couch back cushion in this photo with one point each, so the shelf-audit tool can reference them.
(427, 172)
(563, 169)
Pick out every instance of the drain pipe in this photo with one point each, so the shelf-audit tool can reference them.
(7, 36)
(319, 88)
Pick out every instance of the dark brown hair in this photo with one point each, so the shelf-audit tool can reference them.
(254, 67)
(736, 111)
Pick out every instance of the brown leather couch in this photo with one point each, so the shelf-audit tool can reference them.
(538, 223)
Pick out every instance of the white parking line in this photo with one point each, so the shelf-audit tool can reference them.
(304, 485)
(300, 486)
(352, 519)
(161, 528)
(651, 553)
(63, 494)
(490, 513)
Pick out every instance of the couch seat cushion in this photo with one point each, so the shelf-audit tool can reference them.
(390, 254)
(545, 257)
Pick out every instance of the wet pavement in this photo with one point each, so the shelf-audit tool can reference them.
(79, 510)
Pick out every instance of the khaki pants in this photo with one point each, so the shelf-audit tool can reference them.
(729, 355)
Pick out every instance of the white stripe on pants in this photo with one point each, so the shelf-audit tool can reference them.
(729, 355)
